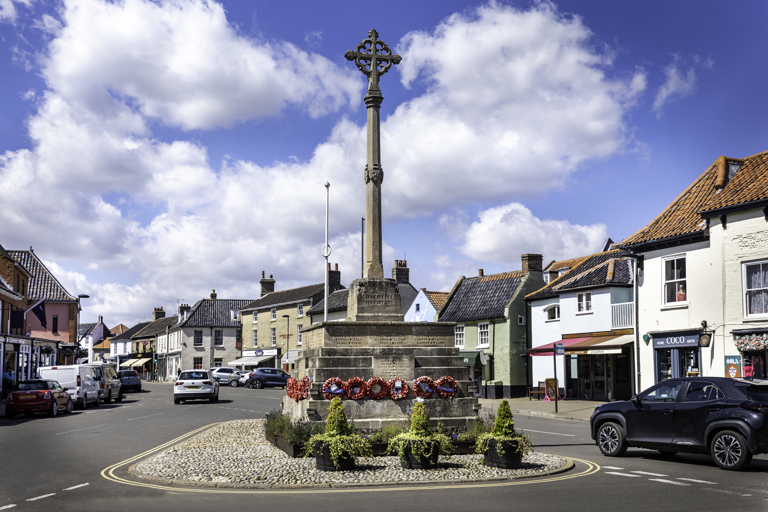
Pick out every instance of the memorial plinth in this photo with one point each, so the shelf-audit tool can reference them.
(383, 349)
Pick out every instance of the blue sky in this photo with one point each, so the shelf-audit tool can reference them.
(152, 151)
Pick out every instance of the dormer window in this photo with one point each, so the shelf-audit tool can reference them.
(562, 271)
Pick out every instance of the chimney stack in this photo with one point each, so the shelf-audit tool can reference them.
(267, 285)
(213, 294)
(334, 278)
(532, 262)
(479, 272)
(157, 314)
(400, 272)
(101, 319)
(183, 309)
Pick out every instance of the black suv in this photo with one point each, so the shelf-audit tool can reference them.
(727, 418)
(263, 377)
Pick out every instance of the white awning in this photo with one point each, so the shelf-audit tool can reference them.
(249, 361)
(291, 357)
(127, 363)
(140, 361)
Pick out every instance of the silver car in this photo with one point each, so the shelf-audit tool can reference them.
(195, 385)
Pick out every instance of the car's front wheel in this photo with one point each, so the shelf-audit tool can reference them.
(611, 440)
(729, 450)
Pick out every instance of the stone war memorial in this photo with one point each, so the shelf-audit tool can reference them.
(374, 341)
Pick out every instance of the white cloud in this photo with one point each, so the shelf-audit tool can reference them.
(680, 80)
(516, 102)
(503, 233)
(8, 11)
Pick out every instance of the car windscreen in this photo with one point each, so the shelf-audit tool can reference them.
(758, 393)
(193, 375)
(27, 386)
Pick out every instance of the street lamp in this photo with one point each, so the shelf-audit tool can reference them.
(288, 332)
(326, 251)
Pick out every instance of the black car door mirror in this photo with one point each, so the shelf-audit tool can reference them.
(636, 399)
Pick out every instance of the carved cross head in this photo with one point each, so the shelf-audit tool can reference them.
(373, 57)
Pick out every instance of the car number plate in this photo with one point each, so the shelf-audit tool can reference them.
(193, 387)
(28, 396)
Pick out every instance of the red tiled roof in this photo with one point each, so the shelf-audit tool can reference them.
(437, 298)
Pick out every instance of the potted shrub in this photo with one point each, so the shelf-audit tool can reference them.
(337, 448)
(420, 447)
(502, 447)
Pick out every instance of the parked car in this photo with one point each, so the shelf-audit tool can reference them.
(238, 378)
(129, 380)
(109, 384)
(79, 379)
(38, 396)
(223, 373)
(726, 418)
(267, 377)
(195, 384)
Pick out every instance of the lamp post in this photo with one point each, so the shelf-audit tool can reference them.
(288, 331)
(326, 251)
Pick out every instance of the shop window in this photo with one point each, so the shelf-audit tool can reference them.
(458, 336)
(218, 338)
(584, 302)
(553, 313)
(273, 337)
(198, 340)
(677, 362)
(197, 363)
(755, 277)
(675, 282)
(482, 335)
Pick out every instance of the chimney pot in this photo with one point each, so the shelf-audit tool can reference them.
(336, 267)
(213, 294)
(480, 272)
(329, 265)
(262, 274)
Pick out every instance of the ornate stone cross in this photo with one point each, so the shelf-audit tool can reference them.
(374, 58)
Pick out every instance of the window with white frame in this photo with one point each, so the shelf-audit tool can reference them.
(553, 312)
(197, 363)
(218, 363)
(755, 289)
(273, 337)
(483, 337)
(299, 310)
(298, 334)
(255, 337)
(198, 340)
(458, 336)
(273, 314)
(218, 338)
(675, 284)
(255, 316)
(584, 302)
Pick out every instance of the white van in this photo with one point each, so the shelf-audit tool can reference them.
(78, 379)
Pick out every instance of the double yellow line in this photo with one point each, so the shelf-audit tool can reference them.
(109, 474)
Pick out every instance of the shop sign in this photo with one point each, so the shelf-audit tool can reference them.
(604, 351)
(674, 340)
(559, 349)
(733, 366)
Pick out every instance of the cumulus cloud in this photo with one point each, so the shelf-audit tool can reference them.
(510, 103)
(8, 11)
(680, 80)
(502, 234)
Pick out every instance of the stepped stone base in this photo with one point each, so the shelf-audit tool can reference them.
(386, 350)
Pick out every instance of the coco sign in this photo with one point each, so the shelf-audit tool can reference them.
(675, 340)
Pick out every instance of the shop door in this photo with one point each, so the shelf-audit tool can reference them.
(598, 378)
(585, 372)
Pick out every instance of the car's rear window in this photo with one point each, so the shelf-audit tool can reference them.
(27, 386)
(193, 375)
(759, 393)
(127, 373)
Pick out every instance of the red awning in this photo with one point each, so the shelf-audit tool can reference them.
(549, 348)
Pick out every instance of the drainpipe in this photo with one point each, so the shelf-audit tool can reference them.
(638, 262)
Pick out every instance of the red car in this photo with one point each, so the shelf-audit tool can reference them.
(38, 396)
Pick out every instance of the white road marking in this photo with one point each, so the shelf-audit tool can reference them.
(723, 491)
(79, 429)
(41, 497)
(667, 481)
(551, 433)
(140, 417)
(697, 481)
(76, 487)
(7, 507)
(612, 467)
(646, 473)
(621, 474)
(90, 412)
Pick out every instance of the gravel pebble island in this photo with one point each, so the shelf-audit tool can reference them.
(237, 454)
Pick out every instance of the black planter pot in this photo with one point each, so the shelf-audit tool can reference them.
(510, 459)
(413, 461)
(324, 462)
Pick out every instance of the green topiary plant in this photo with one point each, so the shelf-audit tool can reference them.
(420, 439)
(340, 437)
(504, 432)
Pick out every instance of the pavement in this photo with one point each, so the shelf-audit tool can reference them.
(574, 410)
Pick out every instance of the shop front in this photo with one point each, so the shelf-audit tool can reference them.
(595, 367)
(258, 358)
(479, 369)
(677, 354)
(752, 344)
